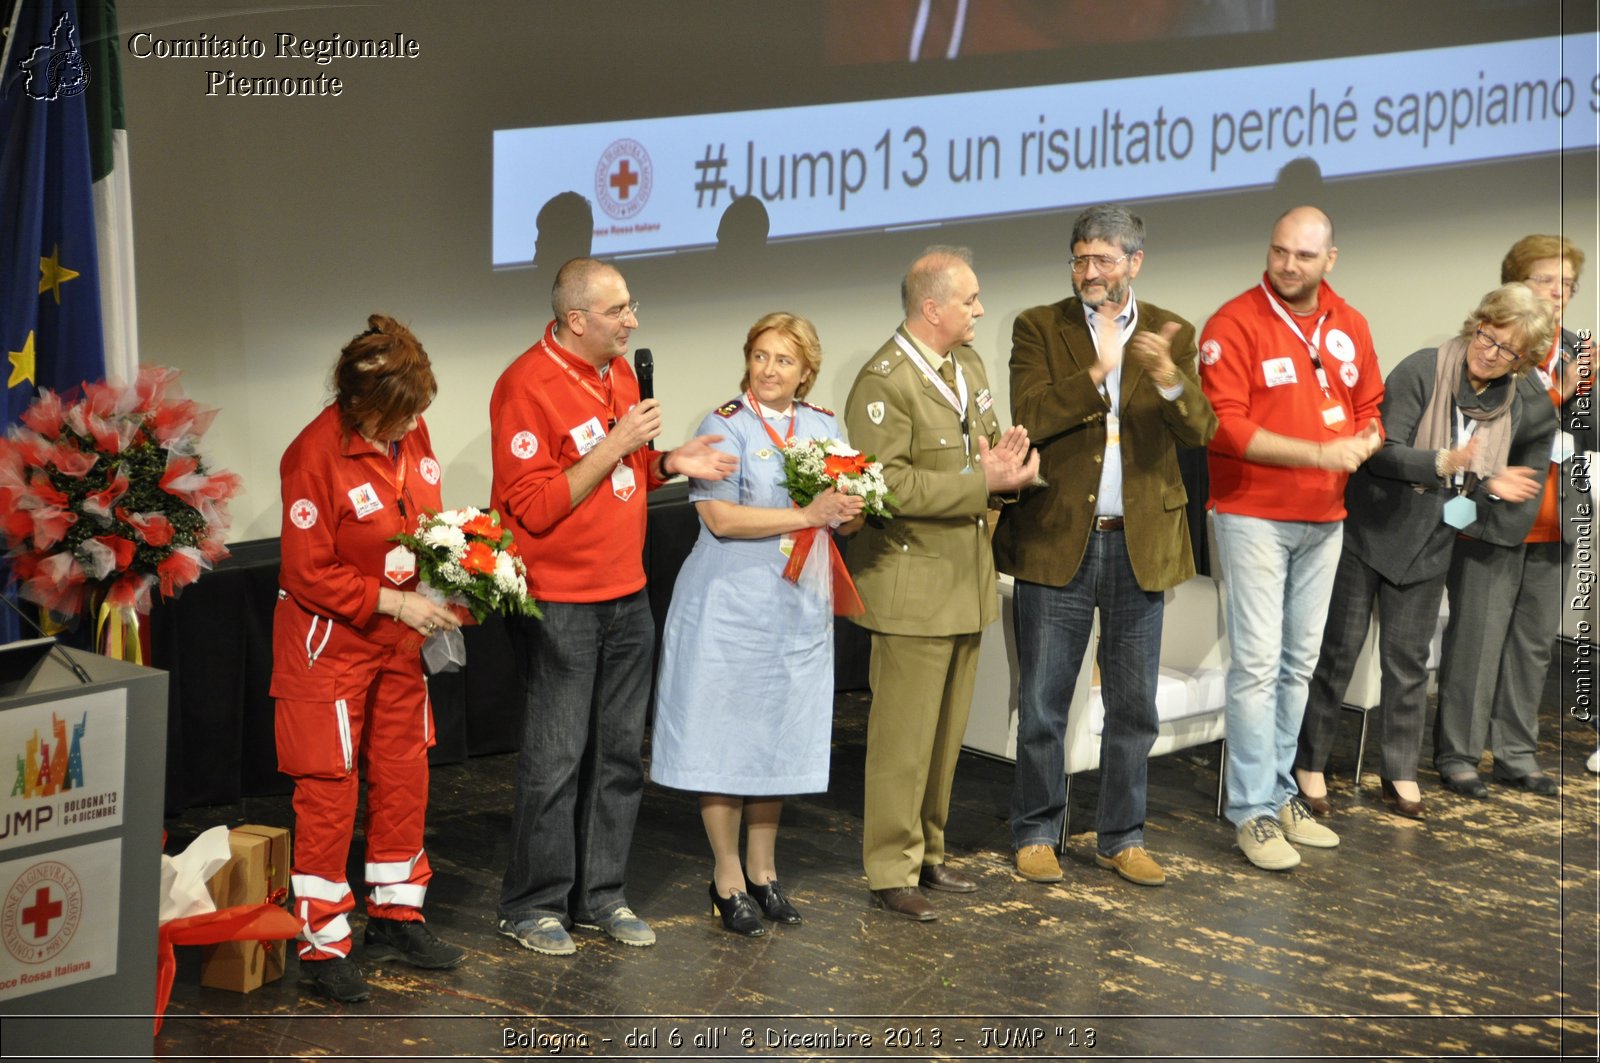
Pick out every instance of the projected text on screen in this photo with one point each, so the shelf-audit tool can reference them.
(657, 184)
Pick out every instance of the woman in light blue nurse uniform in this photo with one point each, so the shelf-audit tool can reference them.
(744, 702)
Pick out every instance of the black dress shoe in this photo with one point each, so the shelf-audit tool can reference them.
(941, 877)
(1467, 784)
(774, 905)
(738, 913)
(1401, 806)
(906, 902)
(1535, 782)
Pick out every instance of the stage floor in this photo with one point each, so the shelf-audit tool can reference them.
(1472, 933)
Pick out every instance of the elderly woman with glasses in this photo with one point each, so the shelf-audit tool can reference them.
(1465, 438)
(1503, 604)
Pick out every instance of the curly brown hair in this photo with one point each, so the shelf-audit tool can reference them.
(382, 379)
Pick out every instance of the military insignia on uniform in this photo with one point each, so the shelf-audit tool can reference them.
(875, 412)
(881, 366)
(985, 400)
(728, 409)
(764, 453)
(814, 406)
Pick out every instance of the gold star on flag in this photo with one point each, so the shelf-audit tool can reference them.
(22, 364)
(52, 274)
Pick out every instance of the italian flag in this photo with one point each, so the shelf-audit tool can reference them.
(113, 200)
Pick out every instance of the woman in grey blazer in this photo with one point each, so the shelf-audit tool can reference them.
(1464, 436)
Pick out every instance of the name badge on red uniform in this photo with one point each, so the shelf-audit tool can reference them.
(365, 500)
(623, 482)
(1332, 412)
(399, 565)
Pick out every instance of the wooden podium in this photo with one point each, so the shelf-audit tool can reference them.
(80, 858)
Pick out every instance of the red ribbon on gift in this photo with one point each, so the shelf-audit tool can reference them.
(247, 922)
(846, 599)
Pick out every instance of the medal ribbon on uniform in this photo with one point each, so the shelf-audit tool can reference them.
(846, 599)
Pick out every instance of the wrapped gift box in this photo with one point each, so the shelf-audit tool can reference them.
(257, 873)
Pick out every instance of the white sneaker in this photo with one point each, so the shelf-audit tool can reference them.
(1262, 841)
(1594, 762)
(1301, 828)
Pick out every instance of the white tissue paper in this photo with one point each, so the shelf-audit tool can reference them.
(184, 877)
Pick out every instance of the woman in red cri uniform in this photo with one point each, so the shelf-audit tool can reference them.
(346, 671)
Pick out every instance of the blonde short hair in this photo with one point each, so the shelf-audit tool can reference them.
(796, 330)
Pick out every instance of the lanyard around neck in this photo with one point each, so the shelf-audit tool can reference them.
(1312, 344)
(755, 410)
(608, 400)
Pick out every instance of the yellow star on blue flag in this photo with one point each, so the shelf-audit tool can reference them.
(52, 274)
(22, 364)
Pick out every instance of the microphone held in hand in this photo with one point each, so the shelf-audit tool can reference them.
(644, 367)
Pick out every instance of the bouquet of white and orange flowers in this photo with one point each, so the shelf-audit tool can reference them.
(810, 467)
(468, 560)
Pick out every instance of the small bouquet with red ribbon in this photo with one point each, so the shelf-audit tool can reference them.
(108, 492)
(810, 467)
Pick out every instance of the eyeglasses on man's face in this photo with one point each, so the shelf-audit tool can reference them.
(1103, 263)
(616, 313)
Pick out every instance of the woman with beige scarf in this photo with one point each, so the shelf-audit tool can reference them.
(1464, 449)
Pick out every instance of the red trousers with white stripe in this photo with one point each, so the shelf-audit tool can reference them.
(320, 744)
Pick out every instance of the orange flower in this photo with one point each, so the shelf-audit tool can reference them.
(835, 465)
(482, 526)
(479, 559)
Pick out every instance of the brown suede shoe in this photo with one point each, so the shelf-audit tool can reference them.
(1038, 863)
(906, 902)
(943, 877)
(1134, 865)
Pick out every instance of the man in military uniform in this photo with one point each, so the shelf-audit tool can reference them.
(921, 405)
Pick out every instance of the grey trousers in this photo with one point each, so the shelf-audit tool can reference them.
(1409, 614)
(1505, 604)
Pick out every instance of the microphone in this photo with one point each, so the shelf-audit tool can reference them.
(58, 650)
(644, 367)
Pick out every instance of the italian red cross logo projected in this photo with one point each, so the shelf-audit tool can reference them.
(622, 179)
(42, 910)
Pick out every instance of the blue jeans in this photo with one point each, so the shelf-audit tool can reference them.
(586, 673)
(1277, 579)
(1053, 626)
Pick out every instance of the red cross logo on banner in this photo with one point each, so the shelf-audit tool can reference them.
(44, 910)
(623, 180)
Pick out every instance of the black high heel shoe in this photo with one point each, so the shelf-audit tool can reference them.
(774, 905)
(738, 913)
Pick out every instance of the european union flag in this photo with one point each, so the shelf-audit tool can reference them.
(50, 331)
